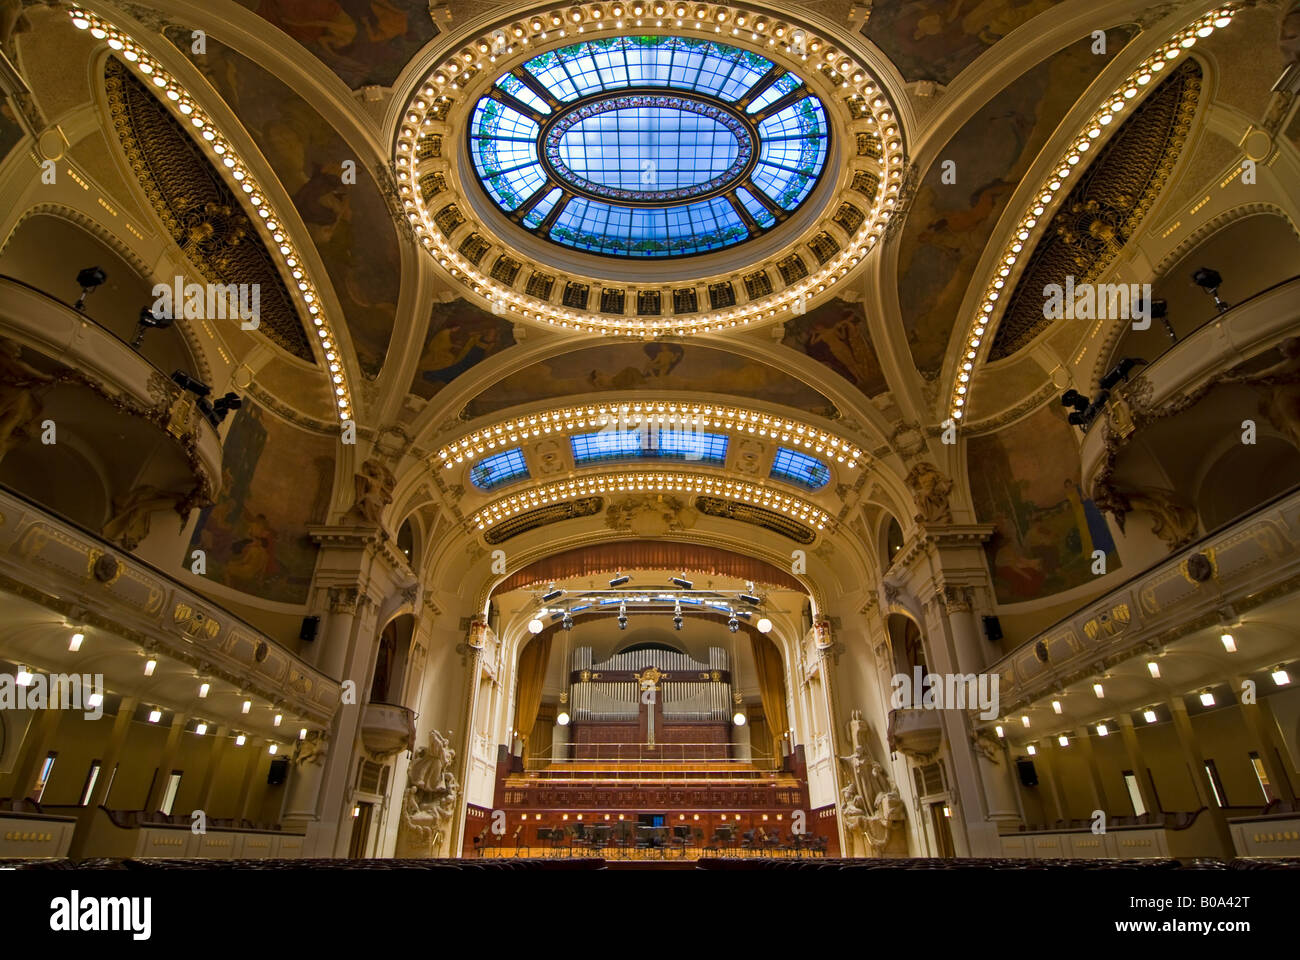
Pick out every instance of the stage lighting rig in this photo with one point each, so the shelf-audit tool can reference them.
(88, 279)
(146, 323)
(621, 579)
(1210, 280)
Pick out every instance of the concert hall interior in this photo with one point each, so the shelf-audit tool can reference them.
(650, 433)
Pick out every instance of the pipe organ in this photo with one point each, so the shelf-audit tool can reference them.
(688, 689)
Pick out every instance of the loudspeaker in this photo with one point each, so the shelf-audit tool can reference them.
(992, 629)
(278, 773)
(1028, 775)
(310, 625)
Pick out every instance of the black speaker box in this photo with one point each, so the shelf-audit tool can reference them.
(993, 629)
(1028, 775)
(279, 771)
(310, 626)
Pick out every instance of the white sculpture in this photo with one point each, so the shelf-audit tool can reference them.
(430, 797)
(869, 803)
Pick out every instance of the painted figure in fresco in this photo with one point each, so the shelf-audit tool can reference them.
(254, 555)
(448, 359)
(663, 358)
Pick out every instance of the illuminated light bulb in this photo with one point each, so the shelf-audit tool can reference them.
(278, 718)
(1025, 720)
(240, 740)
(273, 749)
(1281, 677)
(1207, 699)
(155, 715)
(1102, 730)
(1098, 690)
(1031, 750)
(1056, 706)
(1229, 642)
(149, 666)
(1154, 669)
(1063, 740)
(1149, 716)
(204, 689)
(75, 643)
(201, 729)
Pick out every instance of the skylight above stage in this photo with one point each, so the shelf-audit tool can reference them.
(498, 470)
(706, 448)
(648, 147)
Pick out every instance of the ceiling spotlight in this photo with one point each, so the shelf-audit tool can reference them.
(247, 705)
(302, 734)
(24, 677)
(1099, 690)
(1102, 730)
(150, 666)
(1031, 750)
(201, 729)
(279, 717)
(1063, 740)
(1210, 280)
(683, 583)
(552, 594)
(621, 579)
(1207, 699)
(240, 740)
(622, 616)
(1229, 642)
(1056, 706)
(998, 730)
(204, 689)
(536, 626)
(753, 601)
(155, 715)
(1154, 668)
(567, 622)
(75, 643)
(764, 625)
(1149, 716)
(88, 279)
(148, 321)
(733, 624)
(273, 749)
(1281, 677)
(1025, 720)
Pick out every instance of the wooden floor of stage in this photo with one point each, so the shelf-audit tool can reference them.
(660, 855)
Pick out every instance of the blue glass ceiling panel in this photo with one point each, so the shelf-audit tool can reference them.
(799, 468)
(499, 469)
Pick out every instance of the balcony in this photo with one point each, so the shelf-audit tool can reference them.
(386, 729)
(915, 732)
(48, 563)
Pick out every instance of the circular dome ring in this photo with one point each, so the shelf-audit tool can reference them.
(762, 113)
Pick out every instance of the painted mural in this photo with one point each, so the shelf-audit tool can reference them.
(460, 336)
(350, 224)
(275, 481)
(835, 334)
(658, 365)
(936, 39)
(949, 224)
(1047, 529)
(363, 41)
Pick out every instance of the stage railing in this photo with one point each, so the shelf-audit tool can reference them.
(716, 759)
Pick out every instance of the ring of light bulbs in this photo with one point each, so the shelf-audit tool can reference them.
(651, 482)
(594, 19)
(1055, 184)
(560, 421)
(227, 160)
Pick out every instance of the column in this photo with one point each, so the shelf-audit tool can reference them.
(1084, 742)
(1196, 763)
(99, 795)
(40, 737)
(1135, 762)
(1260, 723)
(222, 741)
(159, 788)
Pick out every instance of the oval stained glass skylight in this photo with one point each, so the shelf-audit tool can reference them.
(648, 147)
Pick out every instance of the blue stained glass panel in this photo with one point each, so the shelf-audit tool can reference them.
(799, 468)
(665, 444)
(632, 162)
(499, 469)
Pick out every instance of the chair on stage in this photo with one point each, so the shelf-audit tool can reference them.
(599, 840)
(623, 839)
(680, 839)
(481, 839)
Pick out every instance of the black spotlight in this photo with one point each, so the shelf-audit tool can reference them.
(186, 382)
(552, 594)
(620, 580)
(88, 279)
(1210, 280)
(683, 583)
(1121, 371)
(148, 321)
(733, 624)
(567, 622)
(677, 622)
(1074, 400)
(622, 616)
(558, 615)
(216, 411)
(753, 601)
